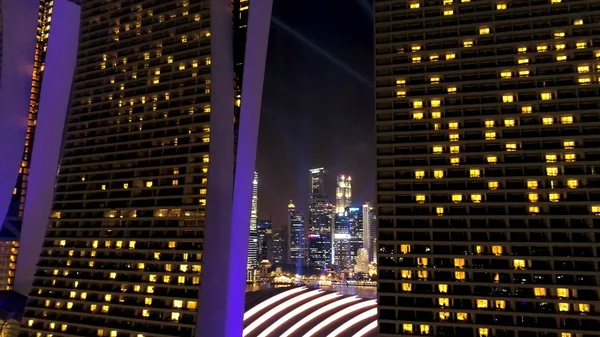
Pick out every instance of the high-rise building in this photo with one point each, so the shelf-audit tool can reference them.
(253, 237)
(264, 236)
(370, 230)
(296, 233)
(348, 236)
(143, 198)
(278, 253)
(320, 226)
(486, 116)
(343, 193)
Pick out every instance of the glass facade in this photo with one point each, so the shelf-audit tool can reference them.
(124, 248)
(488, 124)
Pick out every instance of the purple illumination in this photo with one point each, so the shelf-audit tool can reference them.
(222, 292)
(54, 102)
(19, 28)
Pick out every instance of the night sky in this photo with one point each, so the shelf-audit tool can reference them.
(317, 103)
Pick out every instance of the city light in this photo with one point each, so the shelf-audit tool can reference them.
(367, 329)
(339, 315)
(253, 311)
(354, 320)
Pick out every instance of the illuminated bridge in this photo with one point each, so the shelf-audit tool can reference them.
(304, 312)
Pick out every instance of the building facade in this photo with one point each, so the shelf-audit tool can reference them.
(253, 247)
(278, 253)
(264, 231)
(487, 139)
(370, 230)
(348, 236)
(320, 221)
(153, 79)
(296, 233)
(343, 193)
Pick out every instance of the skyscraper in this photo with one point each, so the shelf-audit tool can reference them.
(154, 88)
(279, 249)
(343, 193)
(321, 218)
(253, 237)
(264, 231)
(486, 115)
(297, 244)
(348, 236)
(370, 230)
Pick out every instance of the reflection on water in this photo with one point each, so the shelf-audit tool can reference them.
(363, 292)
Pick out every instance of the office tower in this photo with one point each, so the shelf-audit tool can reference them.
(147, 173)
(343, 193)
(297, 243)
(264, 231)
(253, 237)
(486, 130)
(369, 231)
(348, 236)
(321, 217)
(278, 252)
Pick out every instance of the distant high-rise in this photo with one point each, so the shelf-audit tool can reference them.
(348, 236)
(297, 240)
(264, 236)
(343, 193)
(253, 248)
(278, 254)
(152, 178)
(370, 230)
(320, 221)
(487, 117)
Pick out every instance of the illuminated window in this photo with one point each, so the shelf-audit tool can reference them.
(476, 198)
(483, 332)
(419, 174)
(566, 334)
(459, 263)
(500, 304)
(492, 159)
(450, 56)
(113, 275)
(482, 304)
(416, 59)
(584, 80)
(418, 115)
(125, 185)
(434, 58)
(462, 316)
(420, 198)
(519, 264)
(562, 292)
(546, 96)
(438, 149)
(438, 174)
(505, 74)
(583, 69)
(454, 149)
(561, 58)
(415, 5)
(453, 137)
(542, 48)
(507, 98)
(566, 119)
(539, 292)
(453, 125)
(572, 183)
(424, 329)
(405, 249)
(401, 93)
(490, 135)
(526, 109)
(560, 46)
(449, 12)
(489, 124)
(547, 120)
(456, 198)
(407, 286)
(484, 30)
(595, 210)
(554, 197)
(436, 115)
(500, 6)
(175, 316)
(459, 275)
(439, 211)
(422, 274)
(523, 73)
(406, 274)
(511, 147)
(552, 171)
(532, 184)
(474, 173)
(436, 126)
(563, 306)
(581, 45)
(444, 315)
(497, 250)
(493, 185)
(523, 61)
(400, 82)
(452, 90)
(434, 80)
(522, 50)
(435, 103)
(415, 48)
(559, 35)
(551, 158)
(407, 328)
(533, 197)
(569, 145)
(454, 161)
(583, 307)
(534, 209)
(417, 104)
(444, 302)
